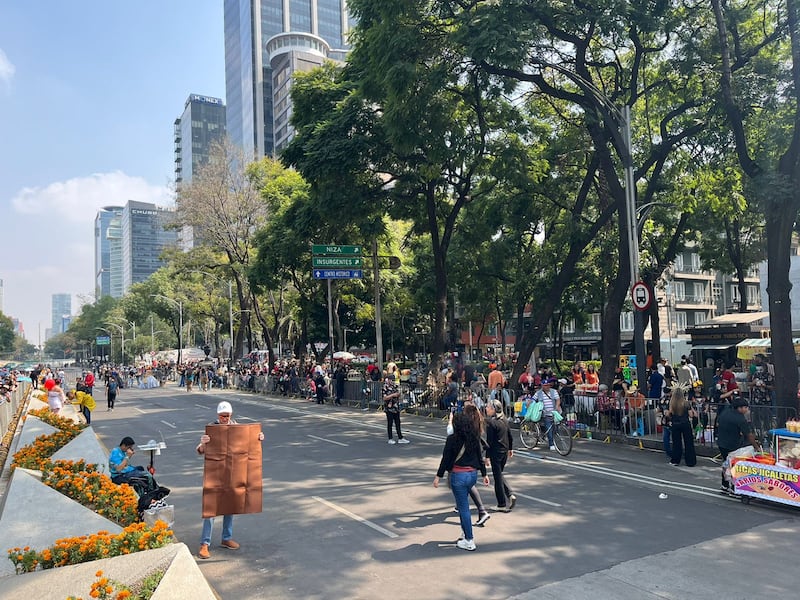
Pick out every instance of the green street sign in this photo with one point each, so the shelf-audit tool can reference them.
(333, 250)
(337, 261)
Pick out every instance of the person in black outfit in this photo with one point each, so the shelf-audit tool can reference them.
(734, 433)
(499, 448)
(680, 413)
(339, 376)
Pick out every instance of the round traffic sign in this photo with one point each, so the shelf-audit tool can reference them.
(641, 295)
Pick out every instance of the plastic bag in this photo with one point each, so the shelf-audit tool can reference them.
(159, 513)
(534, 412)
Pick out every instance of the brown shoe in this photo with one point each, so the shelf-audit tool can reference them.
(204, 553)
(230, 544)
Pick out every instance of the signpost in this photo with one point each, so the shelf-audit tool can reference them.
(641, 295)
(335, 250)
(334, 255)
(337, 261)
(337, 273)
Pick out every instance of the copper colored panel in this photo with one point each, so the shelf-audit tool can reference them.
(232, 471)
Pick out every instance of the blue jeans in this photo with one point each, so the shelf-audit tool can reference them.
(666, 435)
(208, 526)
(461, 482)
(547, 423)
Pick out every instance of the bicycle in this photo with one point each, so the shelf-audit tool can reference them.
(530, 432)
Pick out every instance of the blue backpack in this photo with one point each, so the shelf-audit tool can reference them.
(112, 386)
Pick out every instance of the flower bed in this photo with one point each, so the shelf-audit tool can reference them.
(83, 483)
(75, 550)
(104, 588)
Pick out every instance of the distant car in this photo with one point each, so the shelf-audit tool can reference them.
(362, 359)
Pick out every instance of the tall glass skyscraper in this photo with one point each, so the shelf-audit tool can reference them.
(265, 42)
(144, 236)
(104, 237)
(201, 124)
(61, 311)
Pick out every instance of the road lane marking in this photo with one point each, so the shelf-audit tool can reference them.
(201, 406)
(542, 501)
(169, 425)
(246, 418)
(355, 517)
(139, 410)
(322, 439)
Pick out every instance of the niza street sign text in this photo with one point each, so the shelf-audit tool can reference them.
(337, 261)
(336, 250)
(337, 273)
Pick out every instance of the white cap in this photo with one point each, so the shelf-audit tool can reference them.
(224, 407)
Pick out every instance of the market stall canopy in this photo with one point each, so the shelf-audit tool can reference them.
(343, 355)
(720, 346)
(747, 349)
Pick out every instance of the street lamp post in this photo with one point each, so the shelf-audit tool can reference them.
(230, 306)
(110, 339)
(179, 304)
(620, 128)
(122, 337)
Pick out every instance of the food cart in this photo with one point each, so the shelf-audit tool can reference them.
(772, 477)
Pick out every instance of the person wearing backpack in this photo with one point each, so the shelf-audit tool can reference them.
(111, 391)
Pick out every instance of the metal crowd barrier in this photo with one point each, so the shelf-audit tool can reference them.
(8, 408)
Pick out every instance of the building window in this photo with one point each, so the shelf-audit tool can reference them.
(626, 321)
(695, 257)
(679, 289)
(716, 291)
(699, 292)
(680, 321)
(753, 296)
(735, 297)
(679, 262)
(569, 326)
(700, 317)
(597, 323)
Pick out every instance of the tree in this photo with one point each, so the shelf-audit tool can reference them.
(6, 334)
(758, 63)
(224, 207)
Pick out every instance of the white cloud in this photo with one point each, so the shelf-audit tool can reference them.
(7, 68)
(50, 241)
(79, 199)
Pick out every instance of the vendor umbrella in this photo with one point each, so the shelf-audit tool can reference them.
(343, 355)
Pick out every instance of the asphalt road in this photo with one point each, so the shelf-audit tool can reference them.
(348, 516)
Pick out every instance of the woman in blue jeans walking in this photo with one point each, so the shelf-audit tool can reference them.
(463, 458)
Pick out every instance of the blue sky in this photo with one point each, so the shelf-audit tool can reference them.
(89, 92)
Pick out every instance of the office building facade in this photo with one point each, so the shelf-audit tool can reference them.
(201, 124)
(266, 41)
(144, 237)
(61, 311)
(129, 241)
(106, 219)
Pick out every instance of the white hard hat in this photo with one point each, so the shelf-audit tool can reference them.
(224, 407)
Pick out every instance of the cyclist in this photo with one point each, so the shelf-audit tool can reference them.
(552, 401)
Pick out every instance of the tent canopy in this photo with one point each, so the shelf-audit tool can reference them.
(748, 348)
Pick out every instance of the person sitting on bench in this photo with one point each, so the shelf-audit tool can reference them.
(119, 462)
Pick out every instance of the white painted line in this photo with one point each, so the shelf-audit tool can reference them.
(201, 406)
(245, 419)
(355, 517)
(321, 439)
(169, 425)
(139, 410)
(540, 500)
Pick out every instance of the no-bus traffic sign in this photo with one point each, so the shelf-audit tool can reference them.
(641, 295)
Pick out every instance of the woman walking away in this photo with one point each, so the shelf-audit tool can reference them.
(680, 413)
(473, 413)
(463, 458)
